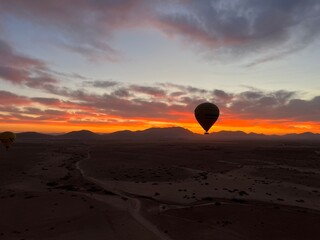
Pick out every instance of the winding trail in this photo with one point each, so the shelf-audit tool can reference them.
(133, 204)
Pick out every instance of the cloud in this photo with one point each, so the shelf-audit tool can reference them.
(271, 28)
(151, 91)
(275, 105)
(11, 99)
(100, 83)
(10, 58)
(67, 75)
(159, 102)
(22, 70)
(122, 93)
(222, 96)
(267, 29)
(84, 26)
(301, 110)
(46, 101)
(252, 104)
(13, 75)
(94, 53)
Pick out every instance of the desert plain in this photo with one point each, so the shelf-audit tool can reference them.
(160, 190)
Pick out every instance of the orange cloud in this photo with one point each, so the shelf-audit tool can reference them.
(277, 112)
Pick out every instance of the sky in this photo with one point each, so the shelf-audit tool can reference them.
(111, 65)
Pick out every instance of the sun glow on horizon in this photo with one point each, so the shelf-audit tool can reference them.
(247, 126)
(92, 70)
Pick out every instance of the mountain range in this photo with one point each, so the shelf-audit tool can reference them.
(172, 133)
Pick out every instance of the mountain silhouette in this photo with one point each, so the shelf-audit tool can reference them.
(303, 136)
(171, 133)
(33, 136)
(152, 134)
(238, 135)
(82, 134)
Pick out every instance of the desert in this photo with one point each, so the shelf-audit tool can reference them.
(159, 120)
(160, 189)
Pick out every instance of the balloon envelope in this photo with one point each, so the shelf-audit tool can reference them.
(7, 138)
(206, 114)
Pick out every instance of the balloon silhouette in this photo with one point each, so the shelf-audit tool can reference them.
(7, 138)
(206, 114)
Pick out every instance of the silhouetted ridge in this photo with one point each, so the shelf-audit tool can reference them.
(172, 132)
(120, 135)
(33, 136)
(238, 135)
(152, 134)
(303, 136)
(229, 134)
(82, 134)
(167, 133)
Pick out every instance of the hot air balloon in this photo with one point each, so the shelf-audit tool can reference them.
(7, 138)
(206, 114)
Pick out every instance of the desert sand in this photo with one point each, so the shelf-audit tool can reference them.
(60, 189)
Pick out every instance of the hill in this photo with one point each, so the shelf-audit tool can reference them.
(152, 134)
(33, 136)
(80, 135)
(171, 133)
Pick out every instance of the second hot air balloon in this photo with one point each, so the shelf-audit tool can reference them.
(7, 138)
(206, 114)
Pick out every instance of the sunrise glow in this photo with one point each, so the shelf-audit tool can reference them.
(133, 65)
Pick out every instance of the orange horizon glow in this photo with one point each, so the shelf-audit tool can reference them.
(97, 71)
(279, 127)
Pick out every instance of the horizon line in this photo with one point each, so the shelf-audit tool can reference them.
(106, 133)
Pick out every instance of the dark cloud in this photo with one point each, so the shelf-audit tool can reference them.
(300, 110)
(84, 25)
(269, 29)
(152, 91)
(18, 69)
(9, 109)
(40, 82)
(177, 94)
(13, 75)
(11, 99)
(46, 101)
(275, 105)
(126, 102)
(240, 27)
(122, 93)
(101, 83)
(184, 89)
(10, 58)
(252, 94)
(222, 96)
(67, 75)
(252, 104)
